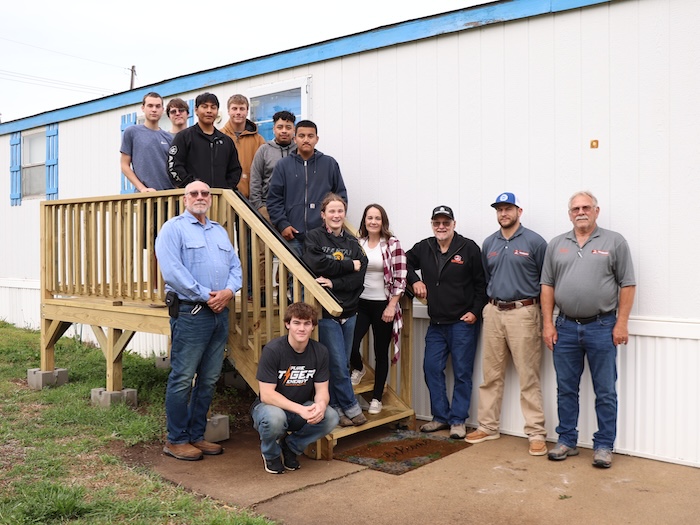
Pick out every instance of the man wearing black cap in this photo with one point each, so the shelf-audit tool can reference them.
(512, 258)
(452, 280)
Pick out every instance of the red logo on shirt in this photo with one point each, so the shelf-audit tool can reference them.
(457, 259)
(563, 250)
(521, 253)
(600, 252)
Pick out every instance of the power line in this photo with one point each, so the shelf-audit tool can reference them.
(23, 76)
(65, 54)
(78, 90)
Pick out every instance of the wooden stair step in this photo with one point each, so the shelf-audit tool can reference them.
(388, 415)
(393, 409)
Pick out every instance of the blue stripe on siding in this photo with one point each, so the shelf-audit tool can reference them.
(126, 186)
(52, 162)
(15, 169)
(411, 31)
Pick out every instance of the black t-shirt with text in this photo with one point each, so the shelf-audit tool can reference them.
(294, 373)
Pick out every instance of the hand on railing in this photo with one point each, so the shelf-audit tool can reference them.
(419, 291)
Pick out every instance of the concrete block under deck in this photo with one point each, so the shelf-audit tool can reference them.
(38, 380)
(217, 428)
(104, 398)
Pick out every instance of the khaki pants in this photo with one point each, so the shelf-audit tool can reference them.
(516, 334)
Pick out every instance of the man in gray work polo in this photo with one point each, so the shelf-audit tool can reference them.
(512, 258)
(588, 274)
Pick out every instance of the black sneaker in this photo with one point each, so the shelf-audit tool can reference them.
(273, 466)
(289, 458)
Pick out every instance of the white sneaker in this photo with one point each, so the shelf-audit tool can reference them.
(357, 376)
(375, 407)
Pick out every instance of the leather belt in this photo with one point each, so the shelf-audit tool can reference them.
(183, 301)
(195, 303)
(511, 305)
(587, 320)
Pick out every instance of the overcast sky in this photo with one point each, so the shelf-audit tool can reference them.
(55, 54)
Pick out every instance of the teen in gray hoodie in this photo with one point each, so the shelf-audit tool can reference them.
(267, 156)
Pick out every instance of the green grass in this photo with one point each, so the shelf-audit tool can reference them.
(55, 460)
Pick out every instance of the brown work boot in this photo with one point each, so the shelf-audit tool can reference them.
(538, 447)
(207, 448)
(183, 451)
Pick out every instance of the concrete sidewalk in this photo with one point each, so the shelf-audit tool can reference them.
(495, 482)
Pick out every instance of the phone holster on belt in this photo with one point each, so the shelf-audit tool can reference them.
(172, 301)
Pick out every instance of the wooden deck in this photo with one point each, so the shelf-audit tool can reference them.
(99, 268)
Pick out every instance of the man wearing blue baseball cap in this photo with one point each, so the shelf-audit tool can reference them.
(452, 280)
(513, 258)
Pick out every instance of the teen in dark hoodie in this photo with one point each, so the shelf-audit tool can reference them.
(298, 185)
(335, 256)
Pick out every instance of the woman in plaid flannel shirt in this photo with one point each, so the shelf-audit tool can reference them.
(385, 282)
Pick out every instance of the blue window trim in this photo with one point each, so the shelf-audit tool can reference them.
(52, 162)
(190, 119)
(16, 169)
(127, 120)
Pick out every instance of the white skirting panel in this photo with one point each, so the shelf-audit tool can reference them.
(19, 302)
(658, 392)
(149, 345)
(143, 343)
(20, 305)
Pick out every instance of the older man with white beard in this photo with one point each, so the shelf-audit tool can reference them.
(202, 273)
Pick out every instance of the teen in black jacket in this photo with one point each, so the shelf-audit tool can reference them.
(203, 152)
(336, 258)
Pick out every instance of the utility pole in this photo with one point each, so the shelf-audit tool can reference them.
(133, 77)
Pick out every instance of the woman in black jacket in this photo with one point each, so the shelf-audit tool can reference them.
(335, 256)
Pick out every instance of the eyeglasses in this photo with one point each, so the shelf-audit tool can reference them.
(196, 193)
(437, 224)
(584, 209)
(175, 111)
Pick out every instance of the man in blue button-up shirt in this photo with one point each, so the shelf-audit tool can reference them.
(201, 268)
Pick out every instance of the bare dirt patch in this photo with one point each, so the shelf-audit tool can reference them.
(402, 451)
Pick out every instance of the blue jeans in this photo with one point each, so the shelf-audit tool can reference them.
(198, 343)
(272, 423)
(459, 340)
(337, 338)
(595, 342)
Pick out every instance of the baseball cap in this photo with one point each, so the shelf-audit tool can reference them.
(443, 210)
(506, 198)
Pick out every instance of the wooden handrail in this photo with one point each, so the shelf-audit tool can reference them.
(281, 251)
(103, 247)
